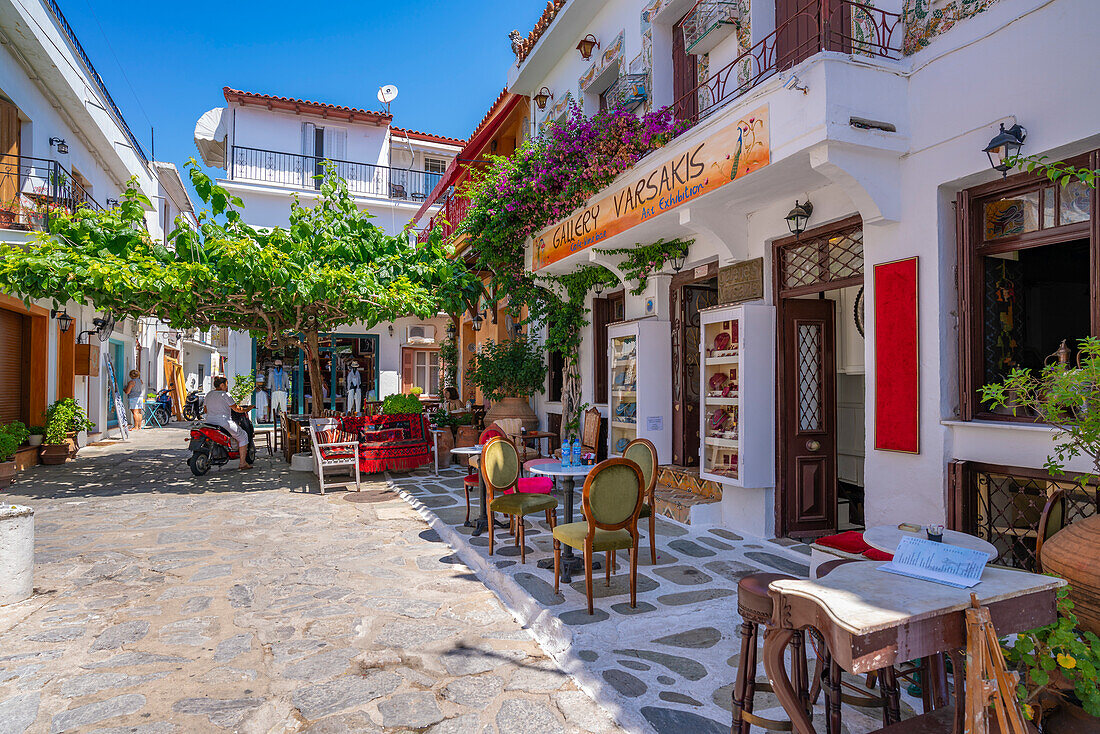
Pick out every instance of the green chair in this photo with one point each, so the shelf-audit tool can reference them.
(612, 500)
(500, 467)
(643, 453)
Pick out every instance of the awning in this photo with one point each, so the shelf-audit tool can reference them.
(210, 134)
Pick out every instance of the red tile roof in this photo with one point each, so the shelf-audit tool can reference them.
(428, 137)
(504, 94)
(323, 109)
(523, 46)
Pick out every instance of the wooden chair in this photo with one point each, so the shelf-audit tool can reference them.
(643, 453)
(1051, 521)
(590, 432)
(612, 499)
(500, 467)
(332, 454)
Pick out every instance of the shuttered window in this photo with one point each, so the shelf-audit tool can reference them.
(13, 387)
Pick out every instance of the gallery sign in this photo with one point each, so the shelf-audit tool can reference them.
(726, 155)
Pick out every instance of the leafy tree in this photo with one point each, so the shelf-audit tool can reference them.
(330, 267)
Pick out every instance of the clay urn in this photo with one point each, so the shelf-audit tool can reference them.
(1074, 554)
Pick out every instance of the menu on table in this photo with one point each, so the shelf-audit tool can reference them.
(940, 563)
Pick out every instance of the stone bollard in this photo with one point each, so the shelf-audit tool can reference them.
(16, 553)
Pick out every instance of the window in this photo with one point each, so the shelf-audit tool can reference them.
(427, 371)
(435, 165)
(557, 376)
(1026, 262)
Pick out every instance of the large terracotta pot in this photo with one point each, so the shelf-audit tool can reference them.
(513, 408)
(7, 473)
(1074, 554)
(466, 436)
(1068, 718)
(445, 443)
(54, 453)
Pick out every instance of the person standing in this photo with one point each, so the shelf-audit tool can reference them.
(354, 384)
(219, 411)
(135, 392)
(279, 382)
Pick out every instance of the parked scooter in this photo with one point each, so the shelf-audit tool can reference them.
(192, 407)
(163, 409)
(212, 445)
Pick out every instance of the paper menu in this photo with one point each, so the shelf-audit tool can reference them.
(937, 562)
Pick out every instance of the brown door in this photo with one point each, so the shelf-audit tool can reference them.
(694, 298)
(9, 151)
(798, 30)
(13, 383)
(684, 76)
(807, 480)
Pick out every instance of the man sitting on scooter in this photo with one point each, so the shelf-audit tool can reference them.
(219, 411)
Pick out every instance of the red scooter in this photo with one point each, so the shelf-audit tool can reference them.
(212, 445)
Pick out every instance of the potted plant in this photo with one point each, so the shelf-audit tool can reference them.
(37, 434)
(1058, 666)
(63, 420)
(507, 373)
(12, 436)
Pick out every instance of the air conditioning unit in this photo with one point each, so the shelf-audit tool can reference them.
(421, 334)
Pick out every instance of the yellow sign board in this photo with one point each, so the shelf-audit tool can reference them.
(728, 154)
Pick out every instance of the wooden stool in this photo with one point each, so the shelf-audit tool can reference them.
(755, 607)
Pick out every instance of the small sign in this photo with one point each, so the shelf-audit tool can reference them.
(701, 271)
(743, 281)
(650, 306)
(940, 563)
(655, 423)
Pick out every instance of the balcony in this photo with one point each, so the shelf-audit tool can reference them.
(297, 171)
(32, 190)
(447, 219)
(842, 26)
(708, 23)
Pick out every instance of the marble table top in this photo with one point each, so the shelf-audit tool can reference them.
(557, 470)
(886, 538)
(861, 599)
(467, 450)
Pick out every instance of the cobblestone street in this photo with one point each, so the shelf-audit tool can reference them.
(245, 602)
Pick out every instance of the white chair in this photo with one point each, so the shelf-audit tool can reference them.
(336, 459)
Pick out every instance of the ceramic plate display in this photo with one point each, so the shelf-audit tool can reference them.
(722, 341)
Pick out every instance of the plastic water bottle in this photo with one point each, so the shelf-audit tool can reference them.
(566, 453)
(577, 461)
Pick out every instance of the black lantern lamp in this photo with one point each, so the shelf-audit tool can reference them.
(586, 45)
(797, 218)
(62, 147)
(542, 97)
(475, 321)
(64, 320)
(679, 260)
(451, 329)
(1005, 146)
(599, 288)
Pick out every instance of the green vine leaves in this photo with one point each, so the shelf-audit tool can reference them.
(642, 261)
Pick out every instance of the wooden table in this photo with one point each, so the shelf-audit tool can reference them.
(872, 619)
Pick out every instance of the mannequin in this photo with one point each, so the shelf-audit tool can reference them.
(261, 398)
(354, 384)
(279, 382)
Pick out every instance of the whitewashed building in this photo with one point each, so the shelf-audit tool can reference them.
(921, 274)
(273, 148)
(64, 142)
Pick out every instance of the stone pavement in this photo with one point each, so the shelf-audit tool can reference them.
(246, 602)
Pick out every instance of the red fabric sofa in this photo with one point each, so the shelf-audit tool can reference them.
(391, 442)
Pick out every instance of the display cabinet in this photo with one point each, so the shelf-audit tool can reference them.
(640, 389)
(737, 434)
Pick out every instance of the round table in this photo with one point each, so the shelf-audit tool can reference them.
(568, 475)
(886, 538)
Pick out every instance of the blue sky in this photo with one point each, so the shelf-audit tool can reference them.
(166, 62)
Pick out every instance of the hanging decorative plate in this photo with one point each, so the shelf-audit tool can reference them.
(722, 341)
(717, 380)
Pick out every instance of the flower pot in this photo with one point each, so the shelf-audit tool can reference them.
(1074, 554)
(35, 439)
(513, 408)
(54, 453)
(7, 473)
(445, 442)
(467, 436)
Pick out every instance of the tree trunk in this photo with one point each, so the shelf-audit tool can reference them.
(570, 396)
(313, 356)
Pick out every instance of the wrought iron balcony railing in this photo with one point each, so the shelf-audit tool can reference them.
(447, 219)
(34, 189)
(306, 172)
(707, 23)
(844, 26)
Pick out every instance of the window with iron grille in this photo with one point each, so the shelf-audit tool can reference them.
(833, 258)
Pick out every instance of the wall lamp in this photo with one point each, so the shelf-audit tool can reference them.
(678, 261)
(586, 45)
(797, 218)
(64, 320)
(475, 321)
(542, 97)
(112, 202)
(1004, 147)
(62, 147)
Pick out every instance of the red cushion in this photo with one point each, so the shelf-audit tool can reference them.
(536, 485)
(489, 433)
(874, 554)
(342, 452)
(470, 479)
(850, 542)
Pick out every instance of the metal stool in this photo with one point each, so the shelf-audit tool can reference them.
(755, 607)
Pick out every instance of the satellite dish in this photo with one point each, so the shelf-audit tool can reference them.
(387, 94)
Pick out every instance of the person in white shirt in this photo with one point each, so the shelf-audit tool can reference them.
(279, 383)
(354, 384)
(219, 411)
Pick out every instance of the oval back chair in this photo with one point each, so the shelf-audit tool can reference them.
(643, 453)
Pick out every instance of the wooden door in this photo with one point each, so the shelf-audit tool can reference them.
(806, 485)
(9, 151)
(799, 30)
(684, 76)
(13, 383)
(694, 298)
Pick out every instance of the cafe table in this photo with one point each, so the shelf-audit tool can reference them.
(886, 538)
(873, 620)
(568, 476)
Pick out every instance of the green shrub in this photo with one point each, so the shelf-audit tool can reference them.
(37, 430)
(12, 437)
(508, 369)
(64, 417)
(399, 404)
(243, 388)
